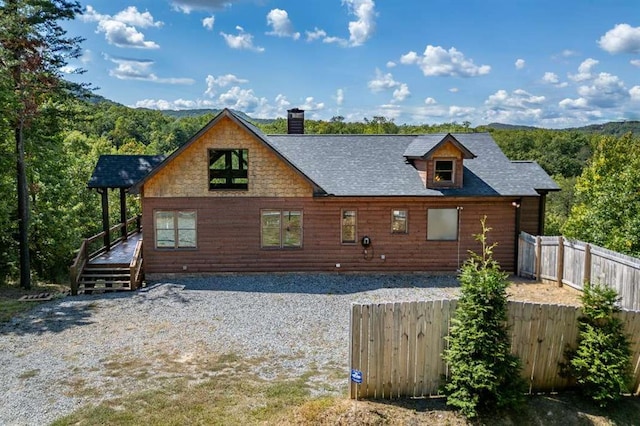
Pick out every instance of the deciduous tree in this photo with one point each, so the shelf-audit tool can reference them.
(33, 48)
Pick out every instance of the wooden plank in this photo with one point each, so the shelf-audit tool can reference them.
(396, 359)
(403, 366)
(412, 340)
(365, 330)
(354, 349)
(421, 329)
(387, 351)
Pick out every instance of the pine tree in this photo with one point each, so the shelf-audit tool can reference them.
(483, 374)
(601, 363)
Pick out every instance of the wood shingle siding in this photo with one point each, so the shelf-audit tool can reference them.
(228, 232)
(188, 176)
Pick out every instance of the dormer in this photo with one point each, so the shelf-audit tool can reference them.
(439, 160)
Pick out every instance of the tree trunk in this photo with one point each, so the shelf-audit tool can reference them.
(23, 209)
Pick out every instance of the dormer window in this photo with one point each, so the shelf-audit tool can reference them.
(444, 171)
(439, 160)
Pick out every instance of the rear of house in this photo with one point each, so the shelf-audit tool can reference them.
(233, 199)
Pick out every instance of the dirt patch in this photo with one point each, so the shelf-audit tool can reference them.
(529, 291)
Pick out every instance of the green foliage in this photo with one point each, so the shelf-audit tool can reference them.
(484, 375)
(602, 362)
(607, 207)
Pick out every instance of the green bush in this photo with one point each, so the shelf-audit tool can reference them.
(484, 375)
(601, 364)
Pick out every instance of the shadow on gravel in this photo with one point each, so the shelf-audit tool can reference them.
(312, 283)
(50, 318)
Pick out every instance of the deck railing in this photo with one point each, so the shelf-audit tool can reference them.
(135, 267)
(89, 248)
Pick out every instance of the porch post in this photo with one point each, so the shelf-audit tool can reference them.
(105, 217)
(123, 213)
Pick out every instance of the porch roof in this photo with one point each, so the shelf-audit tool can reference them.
(122, 171)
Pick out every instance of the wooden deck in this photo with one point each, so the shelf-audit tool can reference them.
(121, 253)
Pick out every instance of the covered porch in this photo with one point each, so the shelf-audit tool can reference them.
(112, 259)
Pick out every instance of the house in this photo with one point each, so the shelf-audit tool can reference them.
(233, 199)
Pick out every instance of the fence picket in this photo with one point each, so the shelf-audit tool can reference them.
(398, 346)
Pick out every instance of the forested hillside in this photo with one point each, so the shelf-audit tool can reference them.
(66, 140)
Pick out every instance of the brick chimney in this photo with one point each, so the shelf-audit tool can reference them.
(295, 121)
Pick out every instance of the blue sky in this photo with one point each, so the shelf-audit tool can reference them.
(553, 64)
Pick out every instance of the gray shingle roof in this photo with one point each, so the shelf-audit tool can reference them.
(374, 165)
(122, 171)
(423, 145)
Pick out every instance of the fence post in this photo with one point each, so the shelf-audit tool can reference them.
(538, 266)
(587, 263)
(560, 261)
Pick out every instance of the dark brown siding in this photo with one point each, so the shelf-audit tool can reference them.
(529, 211)
(229, 235)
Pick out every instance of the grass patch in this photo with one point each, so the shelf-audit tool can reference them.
(226, 399)
(29, 374)
(11, 292)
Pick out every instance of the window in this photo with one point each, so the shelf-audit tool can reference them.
(228, 169)
(399, 221)
(442, 224)
(349, 220)
(444, 171)
(175, 229)
(281, 229)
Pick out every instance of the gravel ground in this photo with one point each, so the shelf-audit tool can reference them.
(84, 349)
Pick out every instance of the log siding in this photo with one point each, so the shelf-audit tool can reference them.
(229, 235)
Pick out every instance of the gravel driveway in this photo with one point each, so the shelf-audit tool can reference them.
(67, 353)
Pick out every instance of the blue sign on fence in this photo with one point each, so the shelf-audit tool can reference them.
(356, 376)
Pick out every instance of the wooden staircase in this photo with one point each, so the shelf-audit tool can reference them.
(114, 268)
(97, 278)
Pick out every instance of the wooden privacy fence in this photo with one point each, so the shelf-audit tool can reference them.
(575, 262)
(398, 346)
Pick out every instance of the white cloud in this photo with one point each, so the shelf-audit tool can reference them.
(86, 57)
(391, 64)
(363, 28)
(579, 103)
(553, 79)
(518, 99)
(634, 93)
(223, 81)
(460, 112)
(178, 104)
(241, 99)
(311, 105)
(187, 6)
(635, 62)
(360, 30)
(437, 61)
(584, 70)
(208, 22)
(242, 40)
(120, 30)
(430, 101)
(68, 69)
(315, 34)
(454, 90)
(132, 16)
(605, 91)
(567, 53)
(339, 97)
(279, 20)
(382, 82)
(401, 93)
(140, 69)
(623, 38)
(520, 63)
